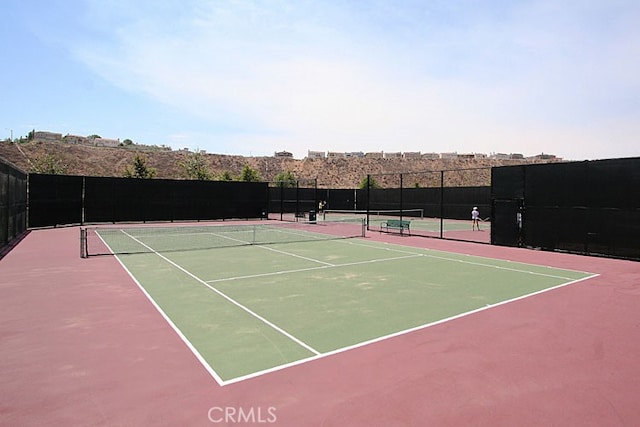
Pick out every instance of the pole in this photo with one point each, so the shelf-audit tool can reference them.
(441, 204)
(368, 197)
(401, 207)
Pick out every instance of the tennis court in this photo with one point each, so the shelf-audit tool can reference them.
(250, 299)
(419, 223)
(408, 331)
(243, 321)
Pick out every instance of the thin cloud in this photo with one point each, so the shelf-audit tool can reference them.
(529, 77)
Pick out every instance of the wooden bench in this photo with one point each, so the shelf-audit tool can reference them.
(397, 224)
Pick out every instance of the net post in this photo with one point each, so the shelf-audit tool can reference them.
(83, 243)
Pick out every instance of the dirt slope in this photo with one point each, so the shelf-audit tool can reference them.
(329, 172)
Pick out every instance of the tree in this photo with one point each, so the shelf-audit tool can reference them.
(286, 179)
(139, 168)
(226, 176)
(249, 174)
(50, 165)
(127, 142)
(195, 167)
(372, 182)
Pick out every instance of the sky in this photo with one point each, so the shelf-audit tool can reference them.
(255, 77)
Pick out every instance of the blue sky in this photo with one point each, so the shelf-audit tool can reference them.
(254, 77)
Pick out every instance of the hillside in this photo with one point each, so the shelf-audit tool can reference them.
(330, 172)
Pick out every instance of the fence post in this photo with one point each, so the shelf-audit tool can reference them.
(441, 204)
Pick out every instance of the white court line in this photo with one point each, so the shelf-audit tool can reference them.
(396, 334)
(479, 263)
(319, 355)
(273, 250)
(406, 252)
(275, 273)
(173, 326)
(478, 256)
(177, 330)
(327, 264)
(228, 298)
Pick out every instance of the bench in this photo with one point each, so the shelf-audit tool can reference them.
(397, 224)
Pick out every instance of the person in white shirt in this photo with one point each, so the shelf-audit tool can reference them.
(475, 218)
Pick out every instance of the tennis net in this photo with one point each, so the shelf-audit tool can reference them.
(329, 214)
(112, 240)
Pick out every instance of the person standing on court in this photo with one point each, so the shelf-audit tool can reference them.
(475, 218)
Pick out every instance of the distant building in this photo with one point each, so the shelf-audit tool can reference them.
(499, 156)
(335, 154)
(449, 155)
(75, 139)
(47, 136)
(285, 154)
(395, 155)
(105, 142)
(430, 156)
(315, 154)
(412, 155)
(543, 156)
(357, 154)
(374, 155)
(516, 156)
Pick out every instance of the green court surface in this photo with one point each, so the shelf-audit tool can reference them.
(432, 225)
(418, 222)
(251, 309)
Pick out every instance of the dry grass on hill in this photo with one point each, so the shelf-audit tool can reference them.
(329, 172)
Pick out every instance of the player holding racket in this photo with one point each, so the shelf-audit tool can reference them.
(475, 218)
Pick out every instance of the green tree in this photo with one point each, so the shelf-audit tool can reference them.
(372, 183)
(226, 176)
(249, 174)
(139, 168)
(49, 164)
(195, 167)
(286, 179)
(127, 142)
